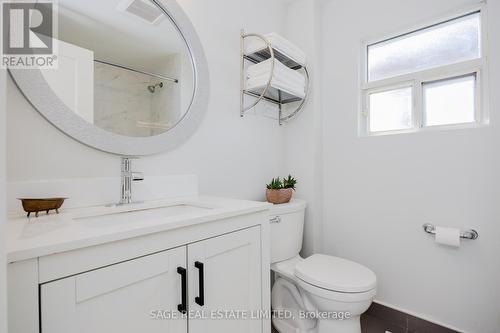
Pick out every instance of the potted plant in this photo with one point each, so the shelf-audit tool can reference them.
(280, 191)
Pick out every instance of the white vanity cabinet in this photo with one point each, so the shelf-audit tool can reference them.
(216, 269)
(117, 298)
(224, 278)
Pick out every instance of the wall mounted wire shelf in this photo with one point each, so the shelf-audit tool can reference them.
(269, 93)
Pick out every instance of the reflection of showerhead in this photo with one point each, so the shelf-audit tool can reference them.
(152, 88)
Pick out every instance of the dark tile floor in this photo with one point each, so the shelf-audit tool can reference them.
(379, 319)
(370, 324)
(373, 324)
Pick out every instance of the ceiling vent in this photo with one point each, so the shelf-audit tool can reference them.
(144, 9)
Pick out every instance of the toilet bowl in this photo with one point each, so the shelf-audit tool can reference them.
(321, 293)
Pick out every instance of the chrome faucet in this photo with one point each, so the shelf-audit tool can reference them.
(128, 176)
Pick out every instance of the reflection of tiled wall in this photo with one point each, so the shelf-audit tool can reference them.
(168, 99)
(124, 105)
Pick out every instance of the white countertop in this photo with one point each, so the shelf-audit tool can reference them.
(33, 237)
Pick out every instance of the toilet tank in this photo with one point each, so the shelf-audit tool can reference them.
(287, 228)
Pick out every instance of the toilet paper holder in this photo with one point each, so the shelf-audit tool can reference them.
(468, 234)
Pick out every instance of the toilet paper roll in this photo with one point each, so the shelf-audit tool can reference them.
(448, 236)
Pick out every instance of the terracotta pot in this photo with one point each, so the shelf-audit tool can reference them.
(280, 196)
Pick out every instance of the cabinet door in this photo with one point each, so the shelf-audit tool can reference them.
(118, 298)
(229, 268)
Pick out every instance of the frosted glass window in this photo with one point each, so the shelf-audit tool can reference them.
(441, 44)
(391, 110)
(450, 101)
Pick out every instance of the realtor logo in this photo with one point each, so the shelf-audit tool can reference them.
(28, 34)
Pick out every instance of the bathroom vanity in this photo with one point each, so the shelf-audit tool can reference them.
(137, 268)
(195, 264)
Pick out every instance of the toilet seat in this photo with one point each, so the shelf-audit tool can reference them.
(336, 295)
(335, 274)
(298, 287)
(295, 271)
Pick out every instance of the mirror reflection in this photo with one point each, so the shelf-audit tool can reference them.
(123, 66)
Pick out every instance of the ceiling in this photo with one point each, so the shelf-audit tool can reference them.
(117, 36)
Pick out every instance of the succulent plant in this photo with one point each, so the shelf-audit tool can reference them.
(289, 182)
(278, 184)
(275, 184)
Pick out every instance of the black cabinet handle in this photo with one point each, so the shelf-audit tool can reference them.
(183, 307)
(200, 300)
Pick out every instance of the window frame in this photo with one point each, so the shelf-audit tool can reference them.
(416, 80)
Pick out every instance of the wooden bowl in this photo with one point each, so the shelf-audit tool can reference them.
(40, 205)
(280, 196)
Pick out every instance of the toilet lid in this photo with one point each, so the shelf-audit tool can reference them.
(335, 274)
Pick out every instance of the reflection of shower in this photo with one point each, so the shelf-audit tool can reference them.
(152, 88)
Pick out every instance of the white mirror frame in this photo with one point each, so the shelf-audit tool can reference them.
(36, 90)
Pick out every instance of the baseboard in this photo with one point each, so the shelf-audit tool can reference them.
(401, 321)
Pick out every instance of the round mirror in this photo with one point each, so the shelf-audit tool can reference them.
(130, 79)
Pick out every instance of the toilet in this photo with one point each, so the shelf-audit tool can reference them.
(321, 293)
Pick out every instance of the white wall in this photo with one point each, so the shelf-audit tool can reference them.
(3, 268)
(232, 156)
(380, 190)
(304, 135)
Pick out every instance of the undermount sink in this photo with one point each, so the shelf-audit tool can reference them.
(139, 214)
